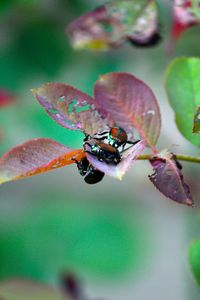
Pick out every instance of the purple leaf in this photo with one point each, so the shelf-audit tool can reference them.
(109, 25)
(118, 170)
(130, 103)
(34, 157)
(167, 177)
(96, 30)
(70, 107)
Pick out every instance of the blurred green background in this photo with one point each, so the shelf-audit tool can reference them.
(124, 239)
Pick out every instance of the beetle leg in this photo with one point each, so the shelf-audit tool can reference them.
(130, 143)
(86, 143)
(104, 132)
(87, 137)
(74, 159)
(92, 153)
(133, 143)
(100, 138)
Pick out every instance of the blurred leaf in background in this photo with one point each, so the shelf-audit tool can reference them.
(182, 85)
(100, 242)
(38, 47)
(194, 259)
(41, 46)
(196, 124)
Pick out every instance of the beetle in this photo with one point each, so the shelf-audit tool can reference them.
(116, 138)
(107, 152)
(104, 152)
(91, 175)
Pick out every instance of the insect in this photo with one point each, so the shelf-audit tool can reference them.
(106, 152)
(103, 152)
(116, 137)
(91, 175)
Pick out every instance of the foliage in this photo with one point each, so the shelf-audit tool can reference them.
(185, 15)
(35, 46)
(194, 259)
(114, 96)
(110, 25)
(182, 84)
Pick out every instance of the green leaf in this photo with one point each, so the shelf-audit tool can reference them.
(194, 259)
(42, 46)
(182, 84)
(5, 5)
(196, 127)
(102, 243)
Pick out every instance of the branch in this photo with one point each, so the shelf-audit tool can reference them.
(188, 158)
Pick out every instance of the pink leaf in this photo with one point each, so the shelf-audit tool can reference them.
(118, 170)
(183, 17)
(34, 157)
(109, 25)
(130, 103)
(167, 177)
(90, 31)
(70, 107)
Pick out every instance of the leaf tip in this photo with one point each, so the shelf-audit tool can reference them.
(102, 78)
(34, 91)
(119, 175)
(189, 202)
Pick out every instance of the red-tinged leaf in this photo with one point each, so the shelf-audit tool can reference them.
(196, 124)
(95, 30)
(108, 26)
(167, 177)
(70, 107)
(23, 289)
(6, 98)
(130, 103)
(118, 170)
(146, 31)
(34, 157)
(185, 16)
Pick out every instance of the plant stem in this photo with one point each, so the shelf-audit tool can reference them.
(178, 156)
